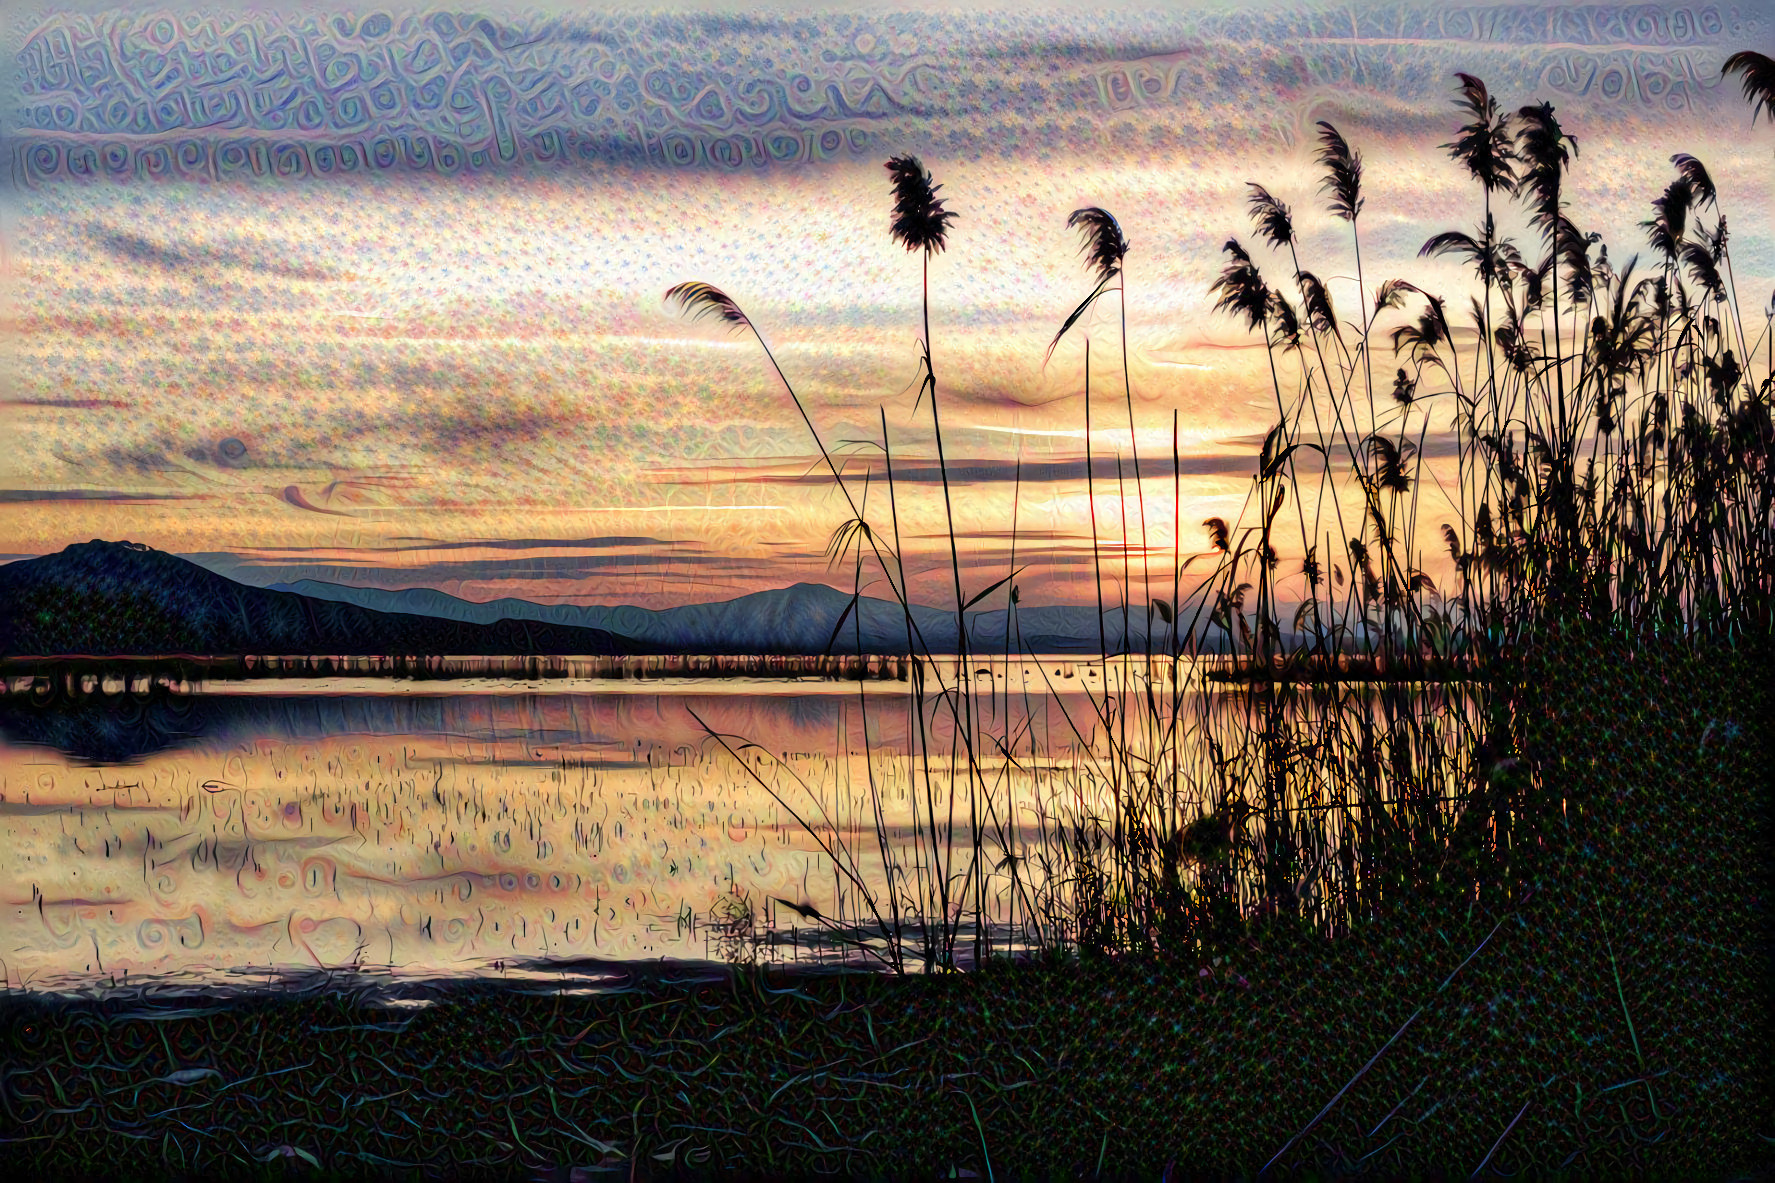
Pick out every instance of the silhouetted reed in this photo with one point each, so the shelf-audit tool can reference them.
(1610, 452)
(1759, 80)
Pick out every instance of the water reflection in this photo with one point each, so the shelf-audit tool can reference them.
(123, 726)
(446, 832)
(443, 827)
(124, 731)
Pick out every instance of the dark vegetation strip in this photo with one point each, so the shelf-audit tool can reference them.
(69, 677)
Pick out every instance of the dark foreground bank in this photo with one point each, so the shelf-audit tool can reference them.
(1607, 1018)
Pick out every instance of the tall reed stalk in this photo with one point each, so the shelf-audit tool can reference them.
(1609, 438)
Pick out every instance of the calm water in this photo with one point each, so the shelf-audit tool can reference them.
(461, 826)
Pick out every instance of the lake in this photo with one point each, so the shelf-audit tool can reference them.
(234, 829)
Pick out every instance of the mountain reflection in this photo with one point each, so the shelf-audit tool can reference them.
(522, 727)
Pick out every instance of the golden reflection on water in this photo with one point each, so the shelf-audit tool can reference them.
(524, 825)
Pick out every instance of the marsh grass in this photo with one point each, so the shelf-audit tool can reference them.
(1611, 441)
(1610, 462)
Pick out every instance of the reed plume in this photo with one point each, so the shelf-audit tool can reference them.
(1670, 218)
(1271, 217)
(1574, 252)
(1317, 300)
(1405, 388)
(1104, 249)
(1484, 146)
(1391, 294)
(1240, 289)
(1343, 173)
(1217, 533)
(1286, 334)
(1391, 461)
(1695, 173)
(1546, 151)
(1759, 80)
(699, 300)
(920, 223)
(1703, 265)
(1492, 259)
(1104, 246)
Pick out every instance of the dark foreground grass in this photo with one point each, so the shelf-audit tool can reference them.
(1613, 1024)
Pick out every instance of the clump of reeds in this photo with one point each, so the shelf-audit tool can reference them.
(1611, 446)
(1612, 464)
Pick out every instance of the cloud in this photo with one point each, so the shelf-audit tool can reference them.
(295, 497)
(143, 251)
(533, 569)
(70, 404)
(17, 496)
(811, 471)
(605, 543)
(609, 542)
(962, 471)
(1020, 536)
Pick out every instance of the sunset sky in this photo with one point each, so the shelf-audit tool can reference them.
(377, 298)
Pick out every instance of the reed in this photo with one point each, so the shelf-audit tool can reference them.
(1610, 435)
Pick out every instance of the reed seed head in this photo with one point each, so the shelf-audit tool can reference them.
(920, 223)
(1317, 298)
(1547, 151)
(1217, 533)
(1104, 247)
(1343, 173)
(1272, 219)
(1404, 388)
(705, 299)
(1391, 293)
(1695, 173)
(1240, 289)
(1759, 80)
(1484, 144)
(1287, 323)
(1670, 219)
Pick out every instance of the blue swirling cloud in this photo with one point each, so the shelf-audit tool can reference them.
(162, 95)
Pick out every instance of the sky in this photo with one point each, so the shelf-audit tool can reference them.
(375, 296)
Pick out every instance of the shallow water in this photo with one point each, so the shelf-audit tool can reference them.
(451, 827)
(456, 827)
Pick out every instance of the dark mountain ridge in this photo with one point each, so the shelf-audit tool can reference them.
(805, 618)
(114, 599)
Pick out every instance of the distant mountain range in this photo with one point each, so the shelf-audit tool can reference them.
(804, 618)
(124, 598)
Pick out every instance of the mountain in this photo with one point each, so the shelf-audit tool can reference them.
(117, 598)
(805, 618)
(121, 598)
(798, 619)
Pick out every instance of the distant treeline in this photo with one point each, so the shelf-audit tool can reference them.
(75, 677)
